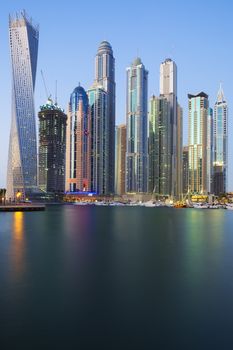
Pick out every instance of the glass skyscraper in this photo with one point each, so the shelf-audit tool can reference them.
(220, 161)
(120, 159)
(99, 139)
(168, 89)
(198, 141)
(22, 158)
(159, 146)
(105, 77)
(78, 153)
(209, 171)
(137, 128)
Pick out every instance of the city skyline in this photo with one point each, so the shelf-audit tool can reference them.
(123, 59)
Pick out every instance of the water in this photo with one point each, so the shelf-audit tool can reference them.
(116, 278)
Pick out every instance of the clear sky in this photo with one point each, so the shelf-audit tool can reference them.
(196, 34)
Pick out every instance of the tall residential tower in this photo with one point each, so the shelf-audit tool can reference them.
(198, 141)
(137, 128)
(105, 77)
(99, 139)
(78, 153)
(159, 147)
(220, 161)
(168, 89)
(22, 158)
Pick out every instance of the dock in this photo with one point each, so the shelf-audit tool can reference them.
(21, 207)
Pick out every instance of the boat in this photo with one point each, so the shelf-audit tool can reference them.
(149, 204)
(200, 206)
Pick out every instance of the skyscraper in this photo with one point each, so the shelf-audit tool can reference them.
(209, 149)
(198, 138)
(22, 158)
(159, 146)
(220, 158)
(52, 147)
(105, 77)
(179, 149)
(99, 139)
(185, 171)
(168, 89)
(120, 159)
(137, 128)
(78, 154)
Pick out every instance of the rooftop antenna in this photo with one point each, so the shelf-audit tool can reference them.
(48, 96)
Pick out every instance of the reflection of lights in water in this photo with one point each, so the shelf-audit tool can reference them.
(18, 225)
(17, 245)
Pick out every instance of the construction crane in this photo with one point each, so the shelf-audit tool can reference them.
(48, 95)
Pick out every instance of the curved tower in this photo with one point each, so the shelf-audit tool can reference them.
(22, 158)
(78, 142)
(105, 77)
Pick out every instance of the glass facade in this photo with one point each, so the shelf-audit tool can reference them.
(22, 158)
(99, 167)
(120, 159)
(220, 145)
(137, 129)
(159, 146)
(168, 89)
(198, 140)
(105, 77)
(78, 142)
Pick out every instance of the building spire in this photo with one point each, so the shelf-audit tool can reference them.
(220, 97)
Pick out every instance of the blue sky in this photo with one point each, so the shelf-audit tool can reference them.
(197, 35)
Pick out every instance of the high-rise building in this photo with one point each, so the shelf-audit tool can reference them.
(179, 148)
(168, 89)
(137, 128)
(120, 159)
(185, 171)
(99, 140)
(159, 146)
(22, 158)
(198, 139)
(105, 77)
(78, 153)
(209, 149)
(52, 147)
(220, 157)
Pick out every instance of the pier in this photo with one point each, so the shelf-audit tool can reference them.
(21, 207)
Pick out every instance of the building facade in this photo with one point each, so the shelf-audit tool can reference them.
(185, 171)
(220, 156)
(22, 157)
(209, 172)
(159, 147)
(179, 148)
(105, 77)
(78, 154)
(198, 140)
(52, 148)
(137, 128)
(99, 120)
(120, 159)
(168, 89)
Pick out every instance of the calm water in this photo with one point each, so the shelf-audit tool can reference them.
(121, 278)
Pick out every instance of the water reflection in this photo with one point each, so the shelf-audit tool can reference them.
(17, 249)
